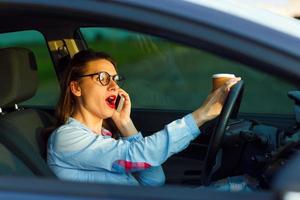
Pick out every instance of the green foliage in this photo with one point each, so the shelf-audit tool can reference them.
(161, 74)
(155, 69)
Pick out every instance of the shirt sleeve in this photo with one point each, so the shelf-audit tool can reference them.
(81, 149)
(153, 176)
(133, 138)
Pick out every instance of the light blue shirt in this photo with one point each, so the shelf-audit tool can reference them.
(76, 153)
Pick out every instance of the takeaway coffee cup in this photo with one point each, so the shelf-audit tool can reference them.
(220, 79)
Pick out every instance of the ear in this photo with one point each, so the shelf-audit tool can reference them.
(75, 88)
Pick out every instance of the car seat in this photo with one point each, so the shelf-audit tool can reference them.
(21, 130)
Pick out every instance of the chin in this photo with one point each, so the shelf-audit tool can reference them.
(107, 115)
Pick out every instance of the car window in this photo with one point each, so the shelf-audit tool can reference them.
(165, 75)
(48, 89)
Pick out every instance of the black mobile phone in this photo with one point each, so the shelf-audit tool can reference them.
(119, 103)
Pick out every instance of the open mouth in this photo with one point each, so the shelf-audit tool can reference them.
(110, 101)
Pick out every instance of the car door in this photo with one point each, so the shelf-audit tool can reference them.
(167, 80)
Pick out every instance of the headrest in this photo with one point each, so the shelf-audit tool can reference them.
(18, 75)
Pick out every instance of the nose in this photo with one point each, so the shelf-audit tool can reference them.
(113, 86)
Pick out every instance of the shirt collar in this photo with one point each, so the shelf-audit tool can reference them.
(104, 132)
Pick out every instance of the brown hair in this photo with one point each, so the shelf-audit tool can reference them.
(74, 69)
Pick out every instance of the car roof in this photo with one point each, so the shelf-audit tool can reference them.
(228, 15)
(241, 19)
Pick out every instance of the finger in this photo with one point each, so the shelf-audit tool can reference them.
(221, 93)
(125, 95)
(121, 91)
(232, 82)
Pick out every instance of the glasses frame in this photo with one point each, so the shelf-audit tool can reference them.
(111, 77)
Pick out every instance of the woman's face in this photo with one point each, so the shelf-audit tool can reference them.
(95, 98)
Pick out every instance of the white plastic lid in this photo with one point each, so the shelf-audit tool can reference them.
(223, 75)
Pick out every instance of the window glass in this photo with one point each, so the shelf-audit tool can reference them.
(48, 88)
(166, 75)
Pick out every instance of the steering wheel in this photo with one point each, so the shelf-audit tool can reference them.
(230, 109)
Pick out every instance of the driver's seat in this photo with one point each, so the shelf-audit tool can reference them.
(21, 130)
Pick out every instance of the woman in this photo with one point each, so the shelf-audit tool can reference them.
(82, 149)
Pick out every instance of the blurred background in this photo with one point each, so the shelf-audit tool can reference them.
(289, 8)
(174, 76)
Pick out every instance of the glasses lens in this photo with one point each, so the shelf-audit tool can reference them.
(118, 79)
(104, 78)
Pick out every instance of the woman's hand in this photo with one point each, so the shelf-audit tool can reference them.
(213, 104)
(122, 119)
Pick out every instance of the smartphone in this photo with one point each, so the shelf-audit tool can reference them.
(119, 103)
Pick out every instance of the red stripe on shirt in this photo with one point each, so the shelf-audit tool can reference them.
(132, 166)
(105, 132)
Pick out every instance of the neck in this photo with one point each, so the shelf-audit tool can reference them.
(89, 120)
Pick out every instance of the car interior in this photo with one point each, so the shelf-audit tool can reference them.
(23, 140)
(255, 135)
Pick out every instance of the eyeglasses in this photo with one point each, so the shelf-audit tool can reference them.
(104, 78)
